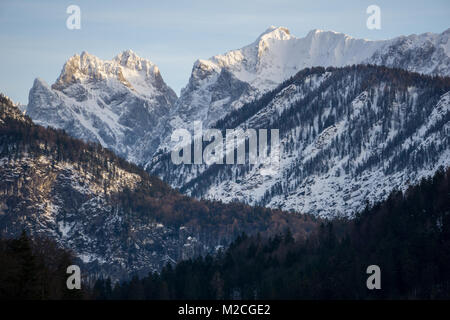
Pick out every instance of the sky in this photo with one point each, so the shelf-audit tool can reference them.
(35, 41)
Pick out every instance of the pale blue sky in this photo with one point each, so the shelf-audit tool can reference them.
(173, 34)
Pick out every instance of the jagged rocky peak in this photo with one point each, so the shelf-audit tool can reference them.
(202, 69)
(127, 67)
(205, 65)
(39, 82)
(7, 104)
(119, 102)
(242, 62)
(131, 60)
(82, 67)
(277, 55)
(5, 100)
(40, 93)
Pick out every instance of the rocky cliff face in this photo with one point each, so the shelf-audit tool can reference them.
(120, 103)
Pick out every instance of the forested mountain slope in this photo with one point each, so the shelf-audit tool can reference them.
(348, 136)
(407, 236)
(114, 216)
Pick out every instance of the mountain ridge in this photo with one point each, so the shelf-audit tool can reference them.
(110, 102)
(220, 86)
(115, 217)
(331, 141)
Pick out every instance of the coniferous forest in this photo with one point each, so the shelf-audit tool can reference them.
(34, 269)
(224, 160)
(407, 236)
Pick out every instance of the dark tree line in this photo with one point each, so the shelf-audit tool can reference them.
(407, 236)
(34, 269)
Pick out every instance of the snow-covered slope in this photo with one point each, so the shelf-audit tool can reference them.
(349, 136)
(225, 82)
(119, 103)
(427, 53)
(277, 55)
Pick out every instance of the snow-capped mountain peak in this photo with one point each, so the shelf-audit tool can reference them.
(277, 55)
(249, 62)
(129, 59)
(138, 74)
(80, 68)
(217, 86)
(277, 33)
(114, 102)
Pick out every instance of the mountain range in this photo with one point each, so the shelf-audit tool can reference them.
(125, 105)
(349, 137)
(120, 103)
(111, 214)
(341, 125)
(357, 119)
